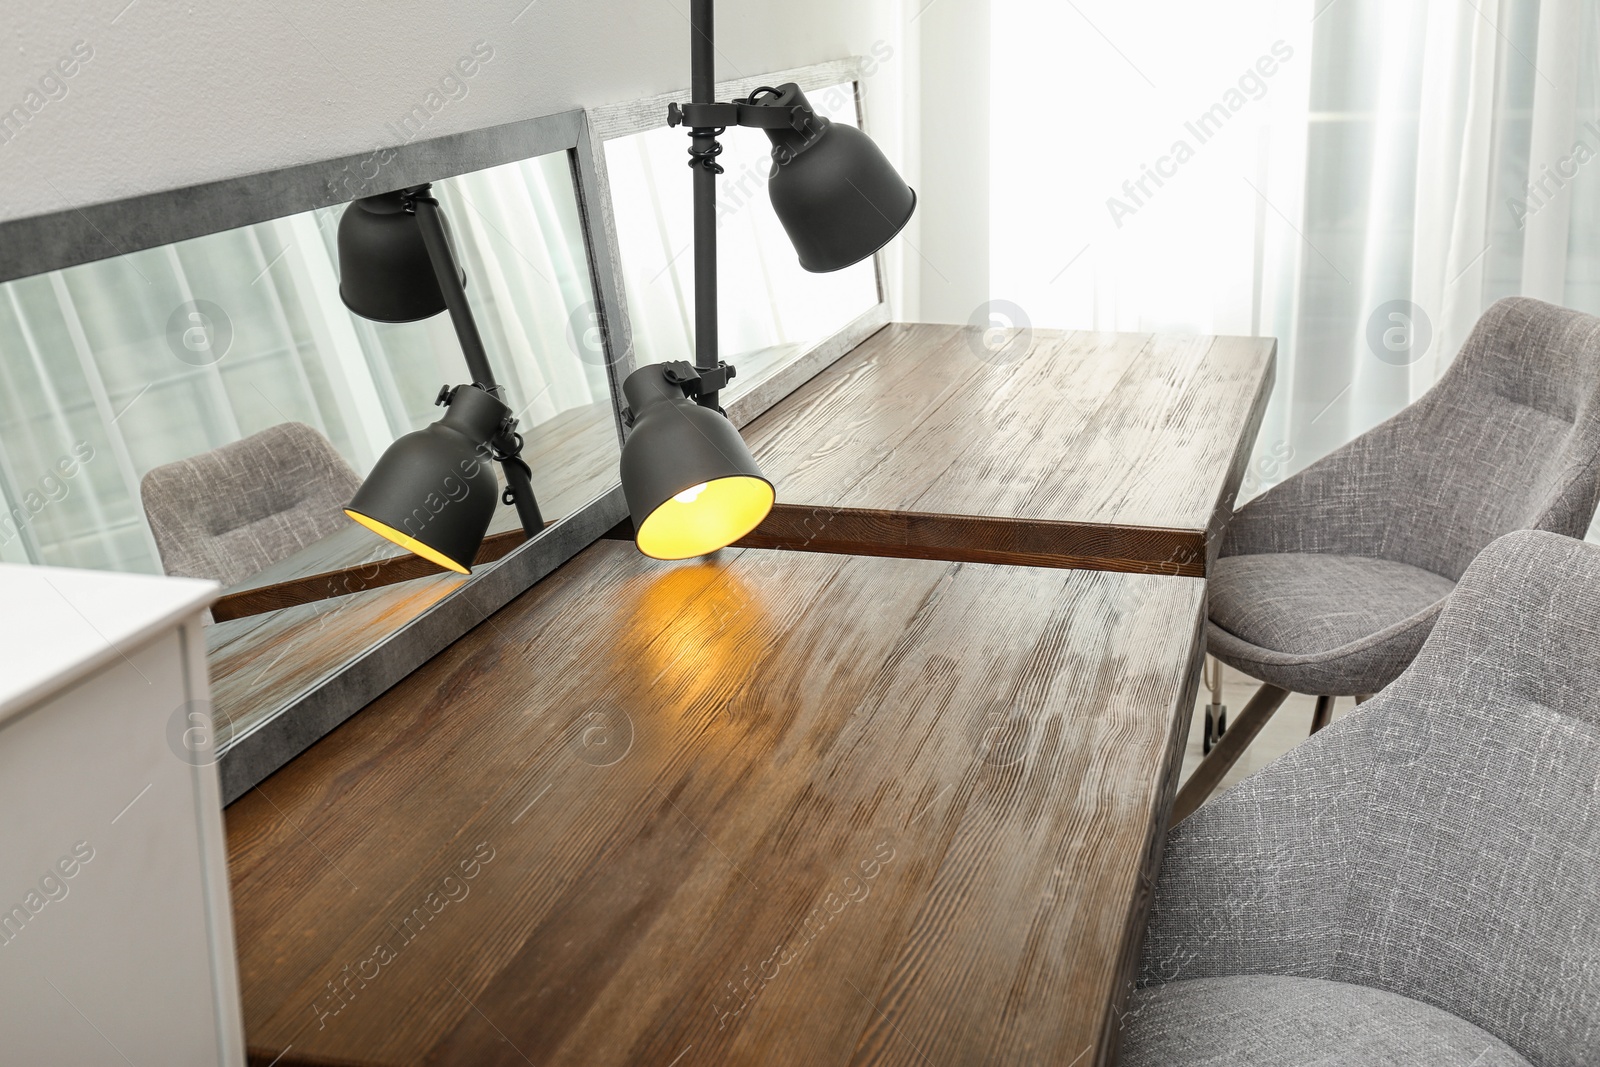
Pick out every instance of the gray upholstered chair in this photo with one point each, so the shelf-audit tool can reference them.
(1328, 583)
(230, 512)
(1420, 883)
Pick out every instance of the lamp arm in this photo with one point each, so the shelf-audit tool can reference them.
(507, 445)
(430, 222)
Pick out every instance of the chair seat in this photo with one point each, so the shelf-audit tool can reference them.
(1321, 624)
(1277, 1021)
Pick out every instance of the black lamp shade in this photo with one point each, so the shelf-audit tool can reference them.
(384, 270)
(691, 484)
(833, 189)
(434, 491)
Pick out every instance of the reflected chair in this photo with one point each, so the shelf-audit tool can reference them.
(233, 511)
(1417, 883)
(1328, 583)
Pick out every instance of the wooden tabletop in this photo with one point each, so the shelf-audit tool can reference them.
(1120, 451)
(774, 808)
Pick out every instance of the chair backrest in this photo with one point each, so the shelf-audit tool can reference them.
(1508, 439)
(230, 512)
(1473, 847)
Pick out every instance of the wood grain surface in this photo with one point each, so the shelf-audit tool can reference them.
(703, 814)
(1136, 442)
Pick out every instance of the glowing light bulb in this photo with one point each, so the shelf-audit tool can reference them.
(690, 495)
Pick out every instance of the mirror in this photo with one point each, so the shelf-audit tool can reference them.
(110, 369)
(772, 310)
(113, 368)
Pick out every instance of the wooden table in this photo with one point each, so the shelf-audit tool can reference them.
(1115, 451)
(786, 807)
(778, 808)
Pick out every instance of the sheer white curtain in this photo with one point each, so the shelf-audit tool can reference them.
(112, 368)
(1407, 164)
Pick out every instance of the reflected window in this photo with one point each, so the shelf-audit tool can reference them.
(771, 309)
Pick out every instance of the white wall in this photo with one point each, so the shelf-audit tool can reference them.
(946, 256)
(179, 93)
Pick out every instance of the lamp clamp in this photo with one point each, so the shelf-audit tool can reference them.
(739, 113)
(411, 195)
(447, 394)
(696, 380)
(505, 447)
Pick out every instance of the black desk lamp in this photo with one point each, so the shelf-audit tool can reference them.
(432, 492)
(691, 484)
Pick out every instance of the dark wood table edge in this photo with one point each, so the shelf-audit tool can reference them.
(974, 539)
(814, 528)
(256, 1056)
(1222, 516)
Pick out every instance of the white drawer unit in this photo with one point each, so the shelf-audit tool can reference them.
(116, 939)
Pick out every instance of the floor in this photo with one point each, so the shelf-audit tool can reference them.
(1290, 726)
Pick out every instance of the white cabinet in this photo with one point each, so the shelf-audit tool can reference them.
(116, 940)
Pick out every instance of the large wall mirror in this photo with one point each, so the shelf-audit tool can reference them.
(120, 364)
(159, 355)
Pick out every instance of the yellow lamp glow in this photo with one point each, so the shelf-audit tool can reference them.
(409, 543)
(706, 517)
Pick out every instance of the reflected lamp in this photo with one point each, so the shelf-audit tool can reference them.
(433, 492)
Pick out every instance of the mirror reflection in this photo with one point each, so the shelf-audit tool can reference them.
(771, 309)
(224, 377)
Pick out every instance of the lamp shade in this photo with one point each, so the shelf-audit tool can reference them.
(384, 270)
(434, 491)
(691, 484)
(833, 189)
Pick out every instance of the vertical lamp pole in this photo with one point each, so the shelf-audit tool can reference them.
(519, 481)
(705, 149)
